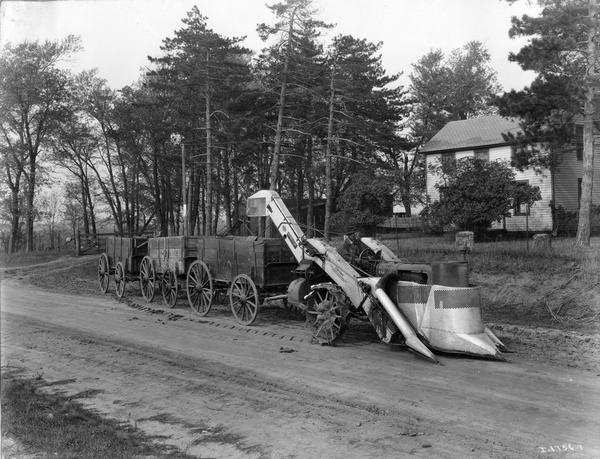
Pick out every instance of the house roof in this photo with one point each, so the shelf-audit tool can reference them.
(475, 132)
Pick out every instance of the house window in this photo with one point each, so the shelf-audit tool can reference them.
(579, 142)
(578, 192)
(520, 208)
(482, 154)
(448, 161)
(514, 154)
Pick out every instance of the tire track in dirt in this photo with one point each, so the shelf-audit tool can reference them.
(221, 388)
(353, 399)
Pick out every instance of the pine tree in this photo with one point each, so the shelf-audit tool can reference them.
(563, 51)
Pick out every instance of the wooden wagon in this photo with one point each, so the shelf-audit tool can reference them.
(248, 269)
(168, 260)
(122, 258)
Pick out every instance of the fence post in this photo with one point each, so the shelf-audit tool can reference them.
(77, 243)
(464, 241)
(396, 228)
(527, 227)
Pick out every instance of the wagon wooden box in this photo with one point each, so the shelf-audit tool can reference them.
(247, 268)
(122, 257)
(268, 262)
(168, 260)
(250, 268)
(173, 253)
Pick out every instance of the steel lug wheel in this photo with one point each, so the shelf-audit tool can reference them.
(326, 314)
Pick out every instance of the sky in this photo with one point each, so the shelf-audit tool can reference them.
(118, 35)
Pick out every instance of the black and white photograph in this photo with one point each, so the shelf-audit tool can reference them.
(312, 229)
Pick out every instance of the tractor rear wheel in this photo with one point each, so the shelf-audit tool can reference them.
(327, 314)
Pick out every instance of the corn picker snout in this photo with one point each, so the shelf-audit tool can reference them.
(425, 306)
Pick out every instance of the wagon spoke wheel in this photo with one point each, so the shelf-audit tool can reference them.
(120, 280)
(169, 288)
(243, 298)
(103, 273)
(147, 279)
(326, 315)
(199, 288)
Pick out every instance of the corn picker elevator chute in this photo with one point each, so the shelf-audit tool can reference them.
(404, 302)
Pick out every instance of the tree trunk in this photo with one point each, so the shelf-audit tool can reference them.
(585, 205)
(328, 179)
(189, 225)
(122, 191)
(310, 182)
(282, 94)
(236, 206)
(158, 186)
(84, 205)
(193, 201)
(300, 193)
(203, 209)
(226, 189)
(209, 184)
(166, 205)
(216, 214)
(274, 172)
(15, 221)
(406, 203)
(30, 198)
(171, 228)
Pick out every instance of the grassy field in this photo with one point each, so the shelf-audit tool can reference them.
(25, 259)
(47, 424)
(551, 287)
(557, 287)
(506, 256)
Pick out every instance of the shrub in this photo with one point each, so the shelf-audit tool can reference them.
(474, 193)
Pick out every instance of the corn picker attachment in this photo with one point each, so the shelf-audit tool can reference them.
(425, 306)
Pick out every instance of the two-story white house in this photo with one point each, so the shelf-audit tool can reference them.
(484, 137)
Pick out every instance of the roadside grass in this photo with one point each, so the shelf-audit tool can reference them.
(507, 256)
(53, 425)
(19, 259)
(81, 278)
(556, 287)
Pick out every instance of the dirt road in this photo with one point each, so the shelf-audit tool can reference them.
(215, 389)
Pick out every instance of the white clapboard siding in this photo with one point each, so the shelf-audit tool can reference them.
(567, 175)
(540, 216)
